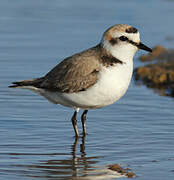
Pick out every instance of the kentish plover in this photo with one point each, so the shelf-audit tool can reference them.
(93, 78)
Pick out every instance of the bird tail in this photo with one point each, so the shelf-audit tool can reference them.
(31, 82)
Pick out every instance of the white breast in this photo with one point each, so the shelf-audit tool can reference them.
(112, 84)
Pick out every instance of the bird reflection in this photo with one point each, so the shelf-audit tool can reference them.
(79, 162)
(75, 164)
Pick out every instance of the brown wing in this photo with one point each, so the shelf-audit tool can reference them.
(74, 74)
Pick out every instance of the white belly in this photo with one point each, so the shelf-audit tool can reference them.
(112, 84)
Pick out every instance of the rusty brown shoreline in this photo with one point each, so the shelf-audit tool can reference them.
(159, 72)
(121, 170)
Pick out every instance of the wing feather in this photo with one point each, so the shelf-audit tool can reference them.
(73, 74)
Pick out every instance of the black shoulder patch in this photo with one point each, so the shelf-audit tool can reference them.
(110, 61)
(131, 30)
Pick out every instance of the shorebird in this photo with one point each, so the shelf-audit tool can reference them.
(93, 78)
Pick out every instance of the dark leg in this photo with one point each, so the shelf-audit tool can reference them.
(74, 123)
(83, 119)
(82, 147)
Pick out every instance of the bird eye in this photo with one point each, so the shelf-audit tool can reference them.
(123, 38)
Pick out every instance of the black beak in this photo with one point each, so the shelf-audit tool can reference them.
(144, 47)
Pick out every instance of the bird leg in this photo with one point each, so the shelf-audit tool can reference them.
(82, 147)
(83, 119)
(74, 123)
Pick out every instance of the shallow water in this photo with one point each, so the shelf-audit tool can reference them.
(36, 137)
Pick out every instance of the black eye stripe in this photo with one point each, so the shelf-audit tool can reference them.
(114, 41)
(133, 43)
(123, 38)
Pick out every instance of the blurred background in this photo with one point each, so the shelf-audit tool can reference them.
(36, 137)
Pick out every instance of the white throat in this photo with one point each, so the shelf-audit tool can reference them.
(124, 53)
